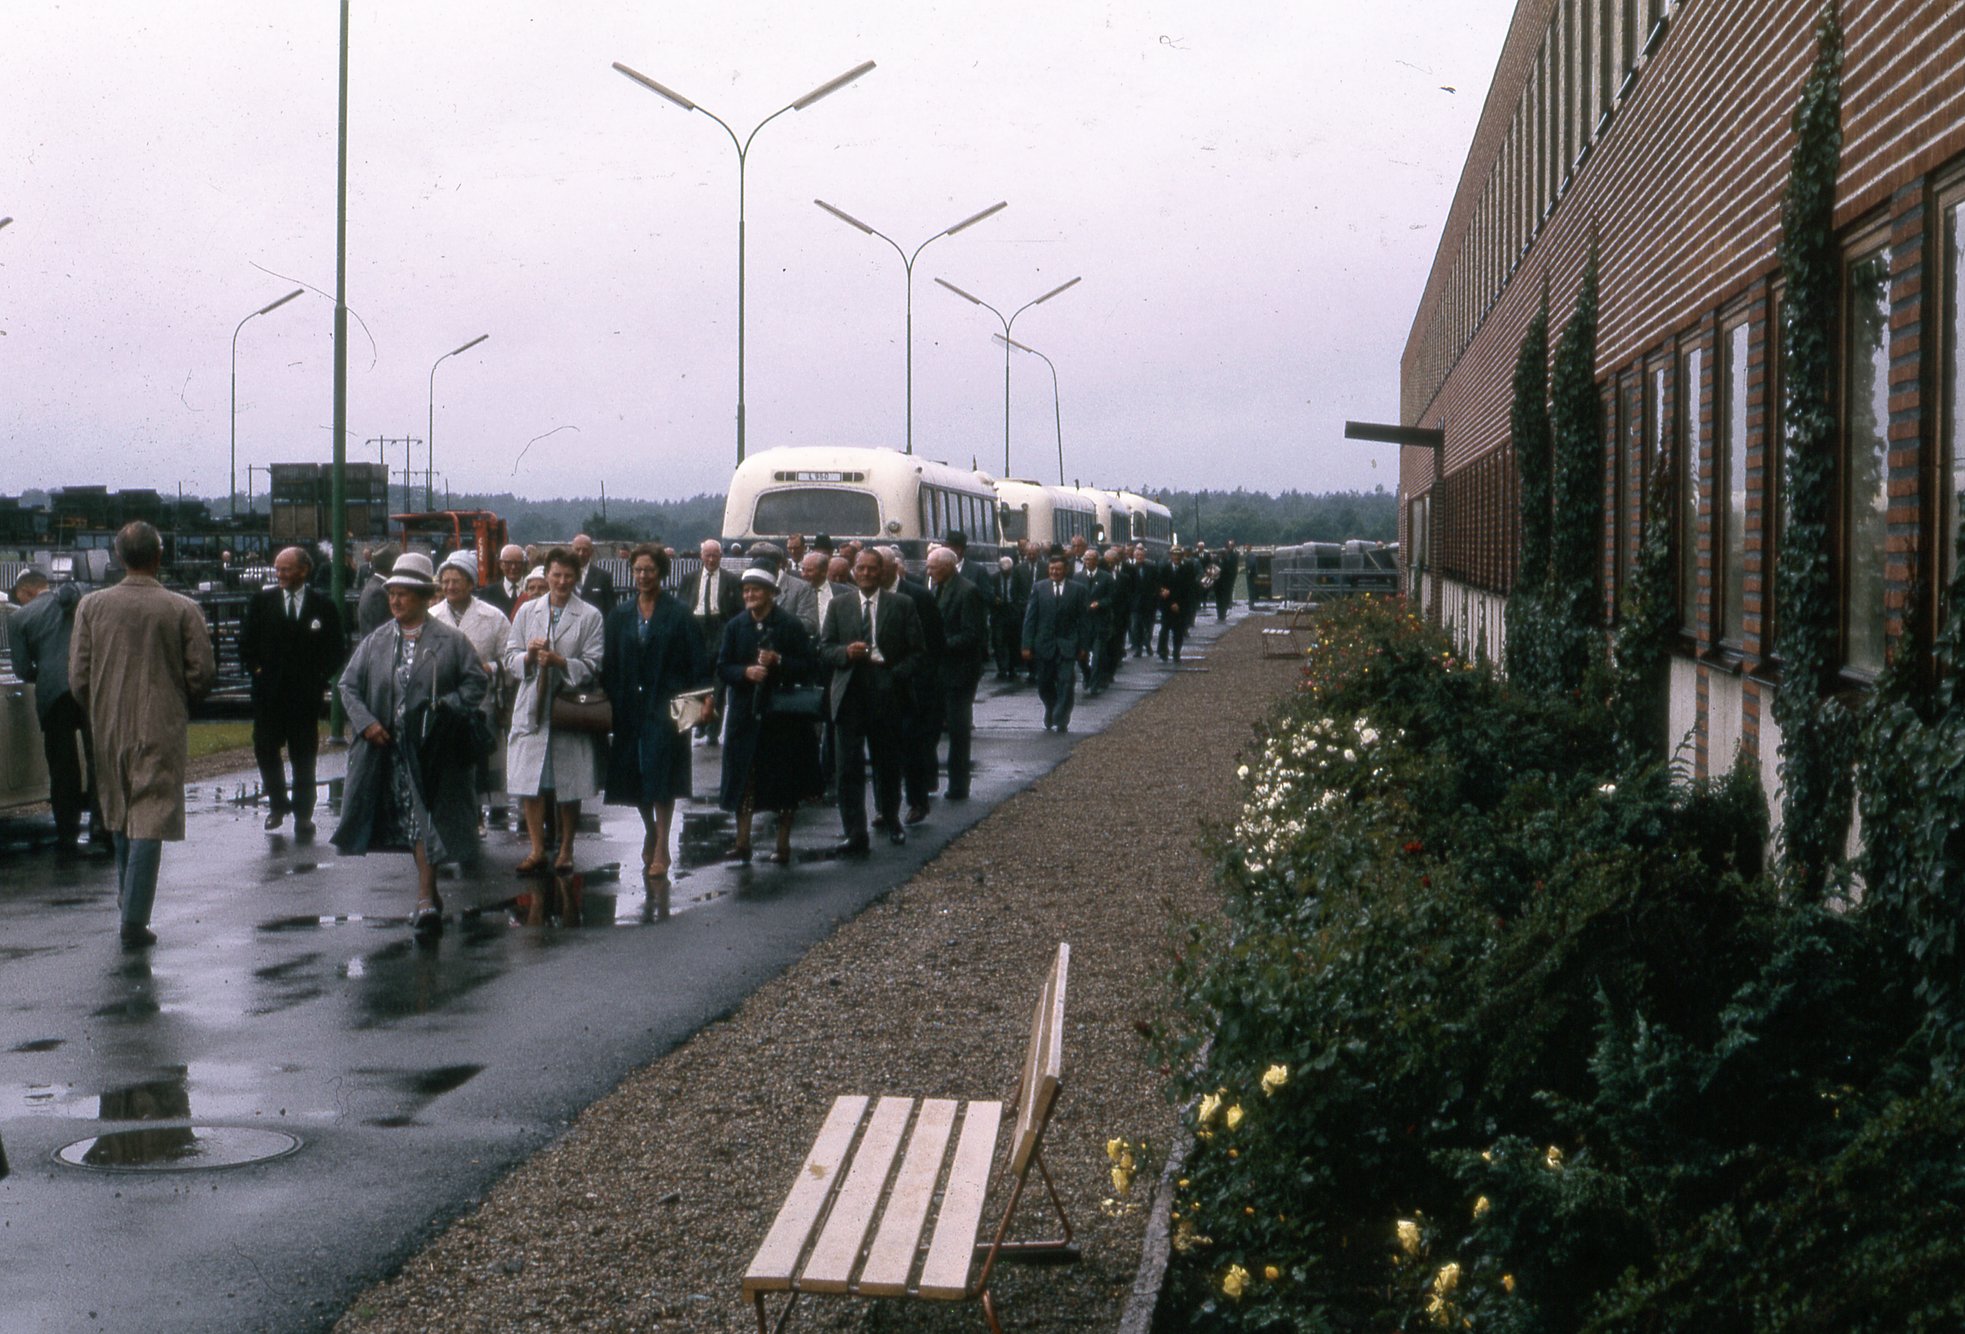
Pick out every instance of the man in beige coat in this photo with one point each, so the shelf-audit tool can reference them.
(139, 658)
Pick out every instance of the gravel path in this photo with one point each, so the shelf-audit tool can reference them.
(645, 1213)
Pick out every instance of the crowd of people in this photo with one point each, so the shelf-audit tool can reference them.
(821, 671)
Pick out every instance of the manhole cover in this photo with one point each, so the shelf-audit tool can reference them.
(176, 1148)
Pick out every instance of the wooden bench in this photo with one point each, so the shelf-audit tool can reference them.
(1292, 638)
(925, 1219)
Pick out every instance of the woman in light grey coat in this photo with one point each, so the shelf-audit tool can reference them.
(555, 644)
(409, 690)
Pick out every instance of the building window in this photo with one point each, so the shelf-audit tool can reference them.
(1636, 483)
(1951, 373)
(1730, 473)
(1691, 454)
(1865, 456)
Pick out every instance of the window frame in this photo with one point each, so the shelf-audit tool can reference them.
(1689, 441)
(1864, 244)
(1947, 385)
(1731, 381)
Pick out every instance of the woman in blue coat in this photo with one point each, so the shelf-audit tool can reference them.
(650, 653)
(770, 761)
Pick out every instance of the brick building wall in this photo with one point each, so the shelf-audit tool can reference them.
(1664, 129)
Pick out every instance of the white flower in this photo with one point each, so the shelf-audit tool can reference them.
(1350, 757)
(1607, 790)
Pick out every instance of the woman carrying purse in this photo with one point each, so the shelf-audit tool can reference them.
(554, 648)
(770, 739)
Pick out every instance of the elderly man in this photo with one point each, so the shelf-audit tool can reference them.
(712, 597)
(1056, 630)
(1012, 589)
(1180, 595)
(796, 596)
(41, 633)
(505, 591)
(1100, 583)
(140, 658)
(872, 643)
(922, 730)
(595, 586)
(372, 608)
(291, 646)
(965, 644)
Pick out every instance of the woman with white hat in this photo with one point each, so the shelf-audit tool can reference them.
(554, 646)
(770, 756)
(409, 691)
(485, 626)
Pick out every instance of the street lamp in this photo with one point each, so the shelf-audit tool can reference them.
(1057, 409)
(908, 261)
(232, 472)
(743, 153)
(430, 435)
(978, 301)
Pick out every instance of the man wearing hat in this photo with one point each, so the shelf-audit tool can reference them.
(372, 609)
(291, 646)
(712, 597)
(505, 591)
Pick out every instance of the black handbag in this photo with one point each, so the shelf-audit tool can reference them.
(583, 710)
(805, 703)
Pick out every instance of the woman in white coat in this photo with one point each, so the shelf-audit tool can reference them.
(554, 645)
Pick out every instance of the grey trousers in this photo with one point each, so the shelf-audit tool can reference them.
(136, 877)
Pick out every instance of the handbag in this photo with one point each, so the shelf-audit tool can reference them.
(691, 709)
(805, 703)
(583, 710)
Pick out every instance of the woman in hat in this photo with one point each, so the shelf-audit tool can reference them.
(479, 621)
(554, 646)
(770, 760)
(652, 652)
(408, 691)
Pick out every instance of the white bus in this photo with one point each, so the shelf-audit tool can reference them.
(872, 494)
(1153, 524)
(1047, 515)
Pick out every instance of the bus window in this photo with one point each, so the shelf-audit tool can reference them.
(1015, 524)
(815, 510)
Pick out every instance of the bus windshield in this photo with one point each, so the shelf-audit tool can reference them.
(817, 510)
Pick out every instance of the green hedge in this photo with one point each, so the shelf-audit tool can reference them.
(1545, 1049)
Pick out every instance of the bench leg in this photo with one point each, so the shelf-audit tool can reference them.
(989, 1312)
(764, 1326)
(1060, 1249)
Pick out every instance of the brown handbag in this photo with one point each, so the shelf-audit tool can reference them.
(583, 710)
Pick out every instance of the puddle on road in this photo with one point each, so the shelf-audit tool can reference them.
(177, 1149)
(38, 1044)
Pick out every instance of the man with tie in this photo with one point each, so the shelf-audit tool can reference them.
(1055, 638)
(505, 591)
(1180, 595)
(713, 596)
(1146, 599)
(595, 586)
(921, 734)
(965, 645)
(1099, 583)
(1006, 614)
(872, 643)
(290, 645)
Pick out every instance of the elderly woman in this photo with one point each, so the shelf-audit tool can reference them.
(770, 761)
(554, 645)
(408, 691)
(652, 653)
(478, 621)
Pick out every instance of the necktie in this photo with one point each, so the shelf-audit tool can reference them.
(703, 600)
(1057, 590)
(293, 606)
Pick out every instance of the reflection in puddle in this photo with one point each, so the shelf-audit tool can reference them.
(39, 1044)
(177, 1148)
(166, 1098)
(707, 837)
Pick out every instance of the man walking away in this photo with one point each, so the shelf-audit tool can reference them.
(291, 647)
(965, 639)
(41, 633)
(141, 657)
(1055, 636)
(1224, 584)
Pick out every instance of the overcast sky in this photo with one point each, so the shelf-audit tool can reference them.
(1252, 192)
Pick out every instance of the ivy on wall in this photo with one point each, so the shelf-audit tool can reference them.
(1817, 731)
(1528, 421)
(1576, 493)
(1642, 647)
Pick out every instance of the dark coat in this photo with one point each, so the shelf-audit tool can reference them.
(647, 760)
(725, 603)
(41, 636)
(290, 662)
(1182, 585)
(899, 640)
(448, 675)
(1102, 586)
(1058, 627)
(372, 607)
(779, 755)
(964, 618)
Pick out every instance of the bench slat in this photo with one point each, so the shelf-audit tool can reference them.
(830, 1266)
(945, 1276)
(1044, 1066)
(891, 1258)
(776, 1260)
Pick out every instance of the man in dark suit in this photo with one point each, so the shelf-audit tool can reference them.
(1100, 584)
(922, 732)
(1224, 584)
(965, 633)
(713, 596)
(290, 645)
(1146, 598)
(1055, 630)
(1125, 586)
(504, 591)
(1012, 590)
(372, 607)
(872, 643)
(957, 542)
(1180, 595)
(595, 586)
(1032, 563)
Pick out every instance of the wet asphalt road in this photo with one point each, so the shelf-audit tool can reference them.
(286, 996)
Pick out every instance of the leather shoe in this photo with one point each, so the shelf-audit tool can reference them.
(274, 819)
(897, 836)
(303, 828)
(137, 937)
(852, 847)
(916, 814)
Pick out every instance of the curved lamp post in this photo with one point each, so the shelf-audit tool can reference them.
(1057, 409)
(430, 434)
(1007, 325)
(743, 147)
(232, 471)
(908, 261)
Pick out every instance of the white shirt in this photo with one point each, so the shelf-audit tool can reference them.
(867, 604)
(708, 584)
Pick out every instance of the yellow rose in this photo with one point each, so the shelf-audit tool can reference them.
(1121, 1183)
(1447, 1279)
(1234, 1116)
(1210, 1104)
(1234, 1281)
(1409, 1236)
(1274, 1078)
(1553, 1158)
(1481, 1206)
(1271, 1273)
(1507, 1282)
(1113, 1148)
